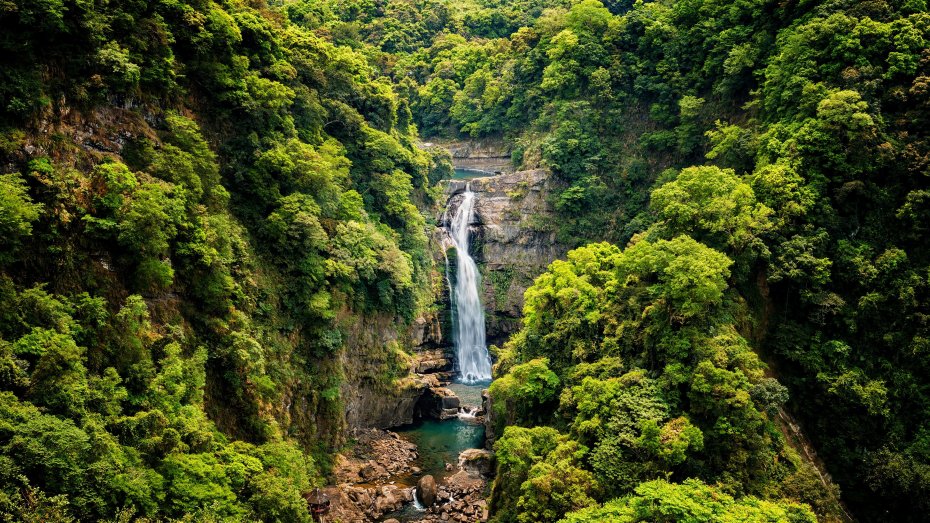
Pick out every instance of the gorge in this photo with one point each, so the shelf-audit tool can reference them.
(514, 261)
(446, 423)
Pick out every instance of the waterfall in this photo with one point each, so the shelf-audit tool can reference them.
(474, 363)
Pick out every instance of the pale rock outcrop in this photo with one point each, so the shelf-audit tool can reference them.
(477, 462)
(487, 154)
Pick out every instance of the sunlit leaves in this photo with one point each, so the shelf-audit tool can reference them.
(17, 212)
(691, 501)
(715, 205)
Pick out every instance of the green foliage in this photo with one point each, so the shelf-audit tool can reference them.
(543, 479)
(812, 116)
(241, 191)
(691, 501)
(156, 269)
(651, 374)
(525, 394)
(713, 206)
(134, 434)
(17, 212)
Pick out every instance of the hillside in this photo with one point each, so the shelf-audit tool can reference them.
(224, 253)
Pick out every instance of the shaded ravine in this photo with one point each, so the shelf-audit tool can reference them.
(439, 443)
(506, 248)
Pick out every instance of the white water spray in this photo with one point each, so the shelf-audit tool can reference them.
(468, 413)
(474, 363)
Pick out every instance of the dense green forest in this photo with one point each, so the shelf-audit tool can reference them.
(198, 198)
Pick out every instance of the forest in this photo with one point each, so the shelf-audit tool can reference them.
(203, 201)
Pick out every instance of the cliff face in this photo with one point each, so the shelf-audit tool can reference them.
(513, 240)
(486, 154)
(389, 370)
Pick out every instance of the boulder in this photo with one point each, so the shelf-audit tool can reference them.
(477, 462)
(388, 500)
(439, 403)
(426, 490)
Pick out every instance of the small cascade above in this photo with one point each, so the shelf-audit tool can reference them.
(473, 363)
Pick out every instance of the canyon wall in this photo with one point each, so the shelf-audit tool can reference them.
(486, 154)
(514, 240)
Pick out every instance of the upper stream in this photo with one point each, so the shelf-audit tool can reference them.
(462, 173)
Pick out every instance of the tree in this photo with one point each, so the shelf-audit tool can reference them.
(691, 501)
(525, 394)
(539, 476)
(714, 206)
(17, 212)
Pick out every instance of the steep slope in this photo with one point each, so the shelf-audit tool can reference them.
(207, 223)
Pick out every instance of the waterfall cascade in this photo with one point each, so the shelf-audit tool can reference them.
(474, 362)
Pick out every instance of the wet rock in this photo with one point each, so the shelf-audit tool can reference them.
(439, 403)
(376, 456)
(360, 496)
(426, 331)
(407, 494)
(487, 405)
(368, 403)
(432, 361)
(389, 499)
(516, 234)
(478, 462)
(371, 471)
(426, 490)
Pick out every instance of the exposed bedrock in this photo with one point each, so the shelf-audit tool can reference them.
(514, 233)
(488, 154)
(372, 399)
(513, 241)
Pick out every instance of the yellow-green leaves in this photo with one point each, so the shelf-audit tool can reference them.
(713, 205)
(17, 212)
(694, 502)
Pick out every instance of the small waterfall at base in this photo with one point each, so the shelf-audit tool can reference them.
(474, 363)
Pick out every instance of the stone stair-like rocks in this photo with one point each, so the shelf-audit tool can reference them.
(438, 403)
(488, 154)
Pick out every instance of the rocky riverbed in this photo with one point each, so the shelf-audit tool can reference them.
(378, 477)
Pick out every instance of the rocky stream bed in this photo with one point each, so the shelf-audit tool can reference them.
(386, 477)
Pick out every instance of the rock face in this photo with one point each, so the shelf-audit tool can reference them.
(371, 399)
(488, 154)
(426, 490)
(514, 240)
